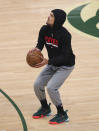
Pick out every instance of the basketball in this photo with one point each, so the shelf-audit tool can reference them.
(34, 57)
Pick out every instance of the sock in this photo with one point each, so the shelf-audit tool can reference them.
(44, 103)
(60, 109)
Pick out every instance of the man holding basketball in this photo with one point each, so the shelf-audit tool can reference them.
(60, 64)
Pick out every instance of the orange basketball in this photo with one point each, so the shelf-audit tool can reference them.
(34, 57)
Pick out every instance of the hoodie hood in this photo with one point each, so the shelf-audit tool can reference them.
(60, 18)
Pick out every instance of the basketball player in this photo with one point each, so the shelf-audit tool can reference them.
(60, 64)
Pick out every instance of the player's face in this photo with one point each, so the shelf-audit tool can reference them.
(50, 19)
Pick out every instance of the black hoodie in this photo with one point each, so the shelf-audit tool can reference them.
(57, 41)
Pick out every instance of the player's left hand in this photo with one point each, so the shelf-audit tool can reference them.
(44, 62)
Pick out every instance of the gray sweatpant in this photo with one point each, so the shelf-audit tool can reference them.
(52, 77)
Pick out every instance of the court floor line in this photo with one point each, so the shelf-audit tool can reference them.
(17, 109)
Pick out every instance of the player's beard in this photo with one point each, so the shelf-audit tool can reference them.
(49, 24)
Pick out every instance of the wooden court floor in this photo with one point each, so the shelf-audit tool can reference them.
(20, 22)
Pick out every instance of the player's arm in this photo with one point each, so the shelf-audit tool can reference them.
(66, 50)
(40, 42)
(39, 47)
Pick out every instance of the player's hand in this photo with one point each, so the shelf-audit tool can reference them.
(34, 49)
(44, 62)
